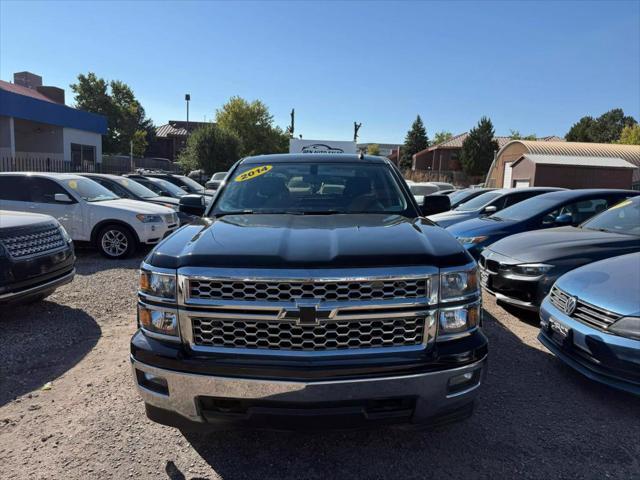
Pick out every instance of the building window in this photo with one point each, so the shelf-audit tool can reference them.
(81, 154)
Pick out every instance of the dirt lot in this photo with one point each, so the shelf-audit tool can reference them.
(535, 418)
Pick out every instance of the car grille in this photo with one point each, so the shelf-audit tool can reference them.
(320, 291)
(333, 335)
(35, 243)
(584, 312)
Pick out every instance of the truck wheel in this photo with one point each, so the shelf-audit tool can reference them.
(115, 241)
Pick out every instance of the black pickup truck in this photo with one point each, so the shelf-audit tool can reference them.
(311, 294)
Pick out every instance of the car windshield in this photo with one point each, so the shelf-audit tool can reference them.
(191, 184)
(135, 188)
(219, 176)
(527, 208)
(478, 202)
(163, 185)
(459, 195)
(312, 188)
(90, 190)
(621, 218)
(422, 189)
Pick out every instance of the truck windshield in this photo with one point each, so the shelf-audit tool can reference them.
(308, 188)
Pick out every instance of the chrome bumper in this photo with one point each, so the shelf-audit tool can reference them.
(431, 390)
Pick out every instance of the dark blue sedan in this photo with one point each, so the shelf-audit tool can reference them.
(555, 209)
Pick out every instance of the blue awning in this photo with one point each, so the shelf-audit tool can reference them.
(27, 108)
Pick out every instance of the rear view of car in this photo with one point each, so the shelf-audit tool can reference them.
(591, 321)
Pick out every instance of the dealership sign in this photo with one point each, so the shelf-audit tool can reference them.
(298, 145)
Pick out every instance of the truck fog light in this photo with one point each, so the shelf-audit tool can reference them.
(463, 381)
(158, 321)
(152, 382)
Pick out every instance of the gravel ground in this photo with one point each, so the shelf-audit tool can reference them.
(535, 417)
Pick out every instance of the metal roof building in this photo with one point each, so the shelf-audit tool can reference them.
(500, 173)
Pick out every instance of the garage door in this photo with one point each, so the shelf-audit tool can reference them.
(506, 183)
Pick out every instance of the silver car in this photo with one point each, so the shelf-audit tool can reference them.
(591, 321)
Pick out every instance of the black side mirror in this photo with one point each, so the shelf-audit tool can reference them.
(192, 205)
(433, 204)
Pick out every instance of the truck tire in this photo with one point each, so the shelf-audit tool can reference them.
(116, 242)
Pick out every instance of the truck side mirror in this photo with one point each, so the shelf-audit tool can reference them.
(192, 205)
(433, 204)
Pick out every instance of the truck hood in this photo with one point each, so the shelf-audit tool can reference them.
(565, 244)
(134, 206)
(605, 284)
(309, 241)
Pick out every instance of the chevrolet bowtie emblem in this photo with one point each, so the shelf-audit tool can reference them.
(305, 313)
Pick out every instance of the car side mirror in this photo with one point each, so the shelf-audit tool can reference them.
(433, 204)
(185, 188)
(564, 219)
(192, 205)
(62, 198)
(490, 210)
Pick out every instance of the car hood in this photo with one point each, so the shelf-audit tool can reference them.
(605, 284)
(134, 206)
(565, 245)
(481, 226)
(446, 219)
(167, 200)
(309, 241)
(10, 219)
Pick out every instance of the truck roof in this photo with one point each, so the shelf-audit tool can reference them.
(313, 158)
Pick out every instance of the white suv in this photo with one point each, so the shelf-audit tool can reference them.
(88, 211)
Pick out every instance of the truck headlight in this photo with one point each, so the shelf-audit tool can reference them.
(459, 319)
(627, 327)
(161, 285)
(146, 218)
(458, 285)
(530, 269)
(158, 321)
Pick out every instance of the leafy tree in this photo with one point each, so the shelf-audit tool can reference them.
(442, 137)
(126, 119)
(515, 135)
(630, 135)
(607, 128)
(211, 148)
(415, 141)
(373, 149)
(478, 148)
(253, 124)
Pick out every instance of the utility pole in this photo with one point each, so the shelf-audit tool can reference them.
(356, 128)
(187, 98)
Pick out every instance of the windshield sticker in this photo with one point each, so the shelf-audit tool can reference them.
(253, 173)
(73, 184)
(623, 204)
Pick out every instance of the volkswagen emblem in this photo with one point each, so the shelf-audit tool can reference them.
(570, 305)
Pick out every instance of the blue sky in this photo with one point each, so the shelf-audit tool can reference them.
(536, 67)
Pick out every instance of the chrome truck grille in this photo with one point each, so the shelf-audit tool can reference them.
(583, 312)
(36, 243)
(327, 312)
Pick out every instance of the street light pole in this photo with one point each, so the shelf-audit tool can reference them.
(187, 97)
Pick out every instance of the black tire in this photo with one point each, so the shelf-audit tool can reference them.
(116, 242)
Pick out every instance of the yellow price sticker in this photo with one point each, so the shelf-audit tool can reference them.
(253, 173)
(73, 184)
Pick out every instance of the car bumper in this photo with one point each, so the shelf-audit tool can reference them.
(603, 357)
(215, 402)
(36, 289)
(152, 233)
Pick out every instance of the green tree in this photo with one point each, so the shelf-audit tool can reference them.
(441, 137)
(126, 119)
(211, 148)
(607, 128)
(373, 149)
(415, 141)
(253, 124)
(630, 135)
(515, 135)
(478, 148)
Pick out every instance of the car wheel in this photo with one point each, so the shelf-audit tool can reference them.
(116, 242)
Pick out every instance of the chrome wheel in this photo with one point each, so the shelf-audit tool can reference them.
(114, 243)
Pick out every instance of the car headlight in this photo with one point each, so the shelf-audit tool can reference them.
(471, 240)
(530, 269)
(458, 285)
(159, 321)
(458, 319)
(64, 234)
(627, 327)
(146, 218)
(162, 285)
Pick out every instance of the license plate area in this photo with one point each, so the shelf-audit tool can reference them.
(560, 333)
(484, 278)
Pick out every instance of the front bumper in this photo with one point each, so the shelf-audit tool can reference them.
(152, 233)
(600, 356)
(225, 402)
(37, 289)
